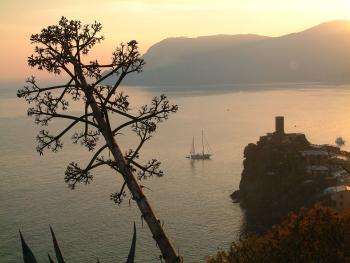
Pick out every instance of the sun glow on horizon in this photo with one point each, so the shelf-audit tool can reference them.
(150, 21)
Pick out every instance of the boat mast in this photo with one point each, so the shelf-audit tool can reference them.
(192, 148)
(202, 144)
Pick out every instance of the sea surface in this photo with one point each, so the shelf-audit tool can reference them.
(192, 199)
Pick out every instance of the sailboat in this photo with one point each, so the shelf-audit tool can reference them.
(198, 156)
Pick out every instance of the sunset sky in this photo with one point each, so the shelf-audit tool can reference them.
(149, 21)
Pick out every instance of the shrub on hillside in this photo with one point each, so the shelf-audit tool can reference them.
(319, 234)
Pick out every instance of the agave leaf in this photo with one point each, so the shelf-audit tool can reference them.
(50, 259)
(131, 256)
(57, 248)
(28, 256)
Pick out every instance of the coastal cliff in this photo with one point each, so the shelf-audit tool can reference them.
(282, 173)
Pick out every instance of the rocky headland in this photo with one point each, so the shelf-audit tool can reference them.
(284, 172)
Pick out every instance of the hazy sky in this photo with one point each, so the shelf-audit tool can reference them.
(149, 21)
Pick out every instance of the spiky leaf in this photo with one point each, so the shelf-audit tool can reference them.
(28, 256)
(56, 247)
(50, 259)
(131, 256)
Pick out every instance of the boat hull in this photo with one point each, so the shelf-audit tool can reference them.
(199, 156)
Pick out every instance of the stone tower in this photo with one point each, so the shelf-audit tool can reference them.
(279, 121)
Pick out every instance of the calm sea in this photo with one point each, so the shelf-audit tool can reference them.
(192, 199)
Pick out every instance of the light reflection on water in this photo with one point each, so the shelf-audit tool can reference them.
(192, 199)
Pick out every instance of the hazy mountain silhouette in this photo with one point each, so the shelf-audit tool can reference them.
(319, 54)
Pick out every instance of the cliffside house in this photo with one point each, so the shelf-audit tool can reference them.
(340, 195)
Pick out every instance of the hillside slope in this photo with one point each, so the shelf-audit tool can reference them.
(318, 54)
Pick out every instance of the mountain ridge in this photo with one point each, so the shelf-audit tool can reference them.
(318, 54)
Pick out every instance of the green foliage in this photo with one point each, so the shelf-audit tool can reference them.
(28, 256)
(319, 234)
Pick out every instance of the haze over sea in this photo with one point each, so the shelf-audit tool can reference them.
(192, 199)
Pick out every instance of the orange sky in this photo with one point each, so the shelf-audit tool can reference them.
(149, 21)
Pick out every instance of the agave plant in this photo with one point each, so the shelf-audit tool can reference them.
(28, 256)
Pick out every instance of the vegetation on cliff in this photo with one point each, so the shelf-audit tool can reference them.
(316, 235)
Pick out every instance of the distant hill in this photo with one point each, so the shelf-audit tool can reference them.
(319, 54)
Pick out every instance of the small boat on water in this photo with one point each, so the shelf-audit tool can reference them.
(340, 141)
(199, 156)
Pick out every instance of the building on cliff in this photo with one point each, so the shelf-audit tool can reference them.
(322, 161)
(340, 195)
(279, 135)
(316, 160)
(326, 160)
